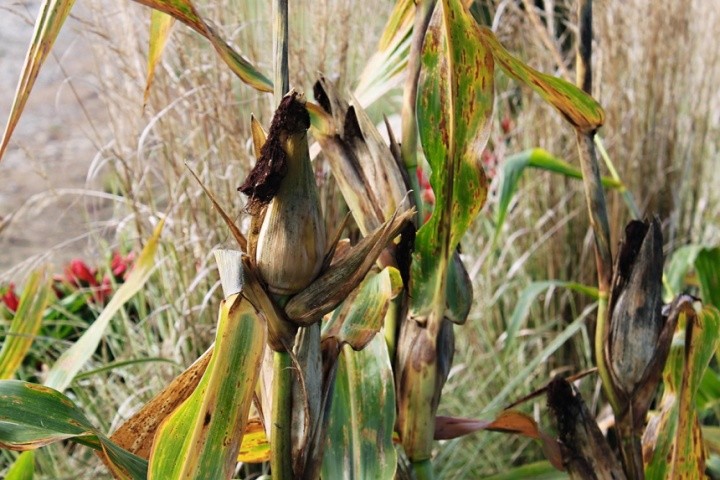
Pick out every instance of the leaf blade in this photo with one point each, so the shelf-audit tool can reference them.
(578, 108)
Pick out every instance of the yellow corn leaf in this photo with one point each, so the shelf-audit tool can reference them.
(255, 447)
(185, 11)
(202, 438)
(25, 324)
(51, 19)
(47, 26)
(160, 24)
(578, 108)
(70, 362)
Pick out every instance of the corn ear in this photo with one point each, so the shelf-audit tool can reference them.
(291, 241)
(336, 283)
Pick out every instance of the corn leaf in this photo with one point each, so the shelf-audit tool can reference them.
(23, 468)
(455, 101)
(33, 416)
(336, 283)
(47, 26)
(673, 438)
(578, 108)
(362, 416)
(160, 24)
(384, 69)
(508, 421)
(70, 362)
(25, 324)
(362, 313)
(51, 19)
(185, 11)
(201, 439)
(678, 268)
(136, 434)
(515, 165)
(707, 266)
(255, 447)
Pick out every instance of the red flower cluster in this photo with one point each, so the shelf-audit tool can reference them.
(79, 275)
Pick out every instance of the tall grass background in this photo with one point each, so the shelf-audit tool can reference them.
(655, 73)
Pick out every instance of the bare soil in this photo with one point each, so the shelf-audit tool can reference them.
(46, 166)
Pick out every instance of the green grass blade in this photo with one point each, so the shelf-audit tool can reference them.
(537, 471)
(527, 298)
(515, 165)
(23, 468)
(201, 439)
(70, 362)
(578, 108)
(362, 416)
(47, 26)
(25, 324)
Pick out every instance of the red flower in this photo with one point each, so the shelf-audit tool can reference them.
(79, 274)
(121, 265)
(102, 292)
(10, 298)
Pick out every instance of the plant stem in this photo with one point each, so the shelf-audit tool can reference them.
(280, 437)
(627, 194)
(280, 50)
(423, 12)
(423, 470)
(597, 210)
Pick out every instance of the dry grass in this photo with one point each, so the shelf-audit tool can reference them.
(656, 75)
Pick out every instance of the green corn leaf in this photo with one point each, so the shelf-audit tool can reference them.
(458, 291)
(360, 317)
(25, 324)
(362, 416)
(160, 24)
(515, 165)
(33, 416)
(70, 362)
(674, 436)
(201, 439)
(578, 108)
(707, 266)
(455, 101)
(23, 468)
(678, 266)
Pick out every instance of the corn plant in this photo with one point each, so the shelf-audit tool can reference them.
(324, 349)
